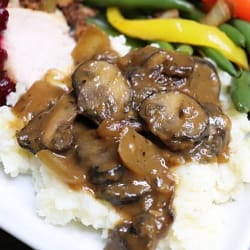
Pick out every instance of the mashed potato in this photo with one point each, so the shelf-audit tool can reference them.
(200, 192)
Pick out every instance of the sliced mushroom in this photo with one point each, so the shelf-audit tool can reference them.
(150, 58)
(218, 136)
(125, 238)
(105, 174)
(57, 127)
(219, 128)
(146, 224)
(115, 241)
(172, 63)
(204, 83)
(151, 70)
(123, 192)
(115, 129)
(101, 91)
(29, 137)
(95, 152)
(136, 58)
(142, 232)
(176, 118)
(51, 129)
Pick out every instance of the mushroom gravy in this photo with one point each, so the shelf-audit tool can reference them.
(121, 127)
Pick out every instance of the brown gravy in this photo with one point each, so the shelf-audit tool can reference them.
(125, 165)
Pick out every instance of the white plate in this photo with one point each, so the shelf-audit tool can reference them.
(18, 217)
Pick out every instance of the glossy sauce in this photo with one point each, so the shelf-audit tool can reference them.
(125, 165)
(40, 96)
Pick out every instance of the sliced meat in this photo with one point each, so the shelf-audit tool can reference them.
(175, 118)
(46, 41)
(51, 129)
(101, 91)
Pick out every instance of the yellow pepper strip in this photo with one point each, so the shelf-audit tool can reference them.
(180, 31)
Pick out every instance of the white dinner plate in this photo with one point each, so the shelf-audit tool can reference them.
(19, 218)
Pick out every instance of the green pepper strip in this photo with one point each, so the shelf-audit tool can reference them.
(181, 5)
(180, 31)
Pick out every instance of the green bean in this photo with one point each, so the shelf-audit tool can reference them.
(234, 34)
(240, 92)
(100, 22)
(221, 61)
(185, 49)
(135, 43)
(244, 28)
(165, 45)
(103, 25)
(181, 5)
